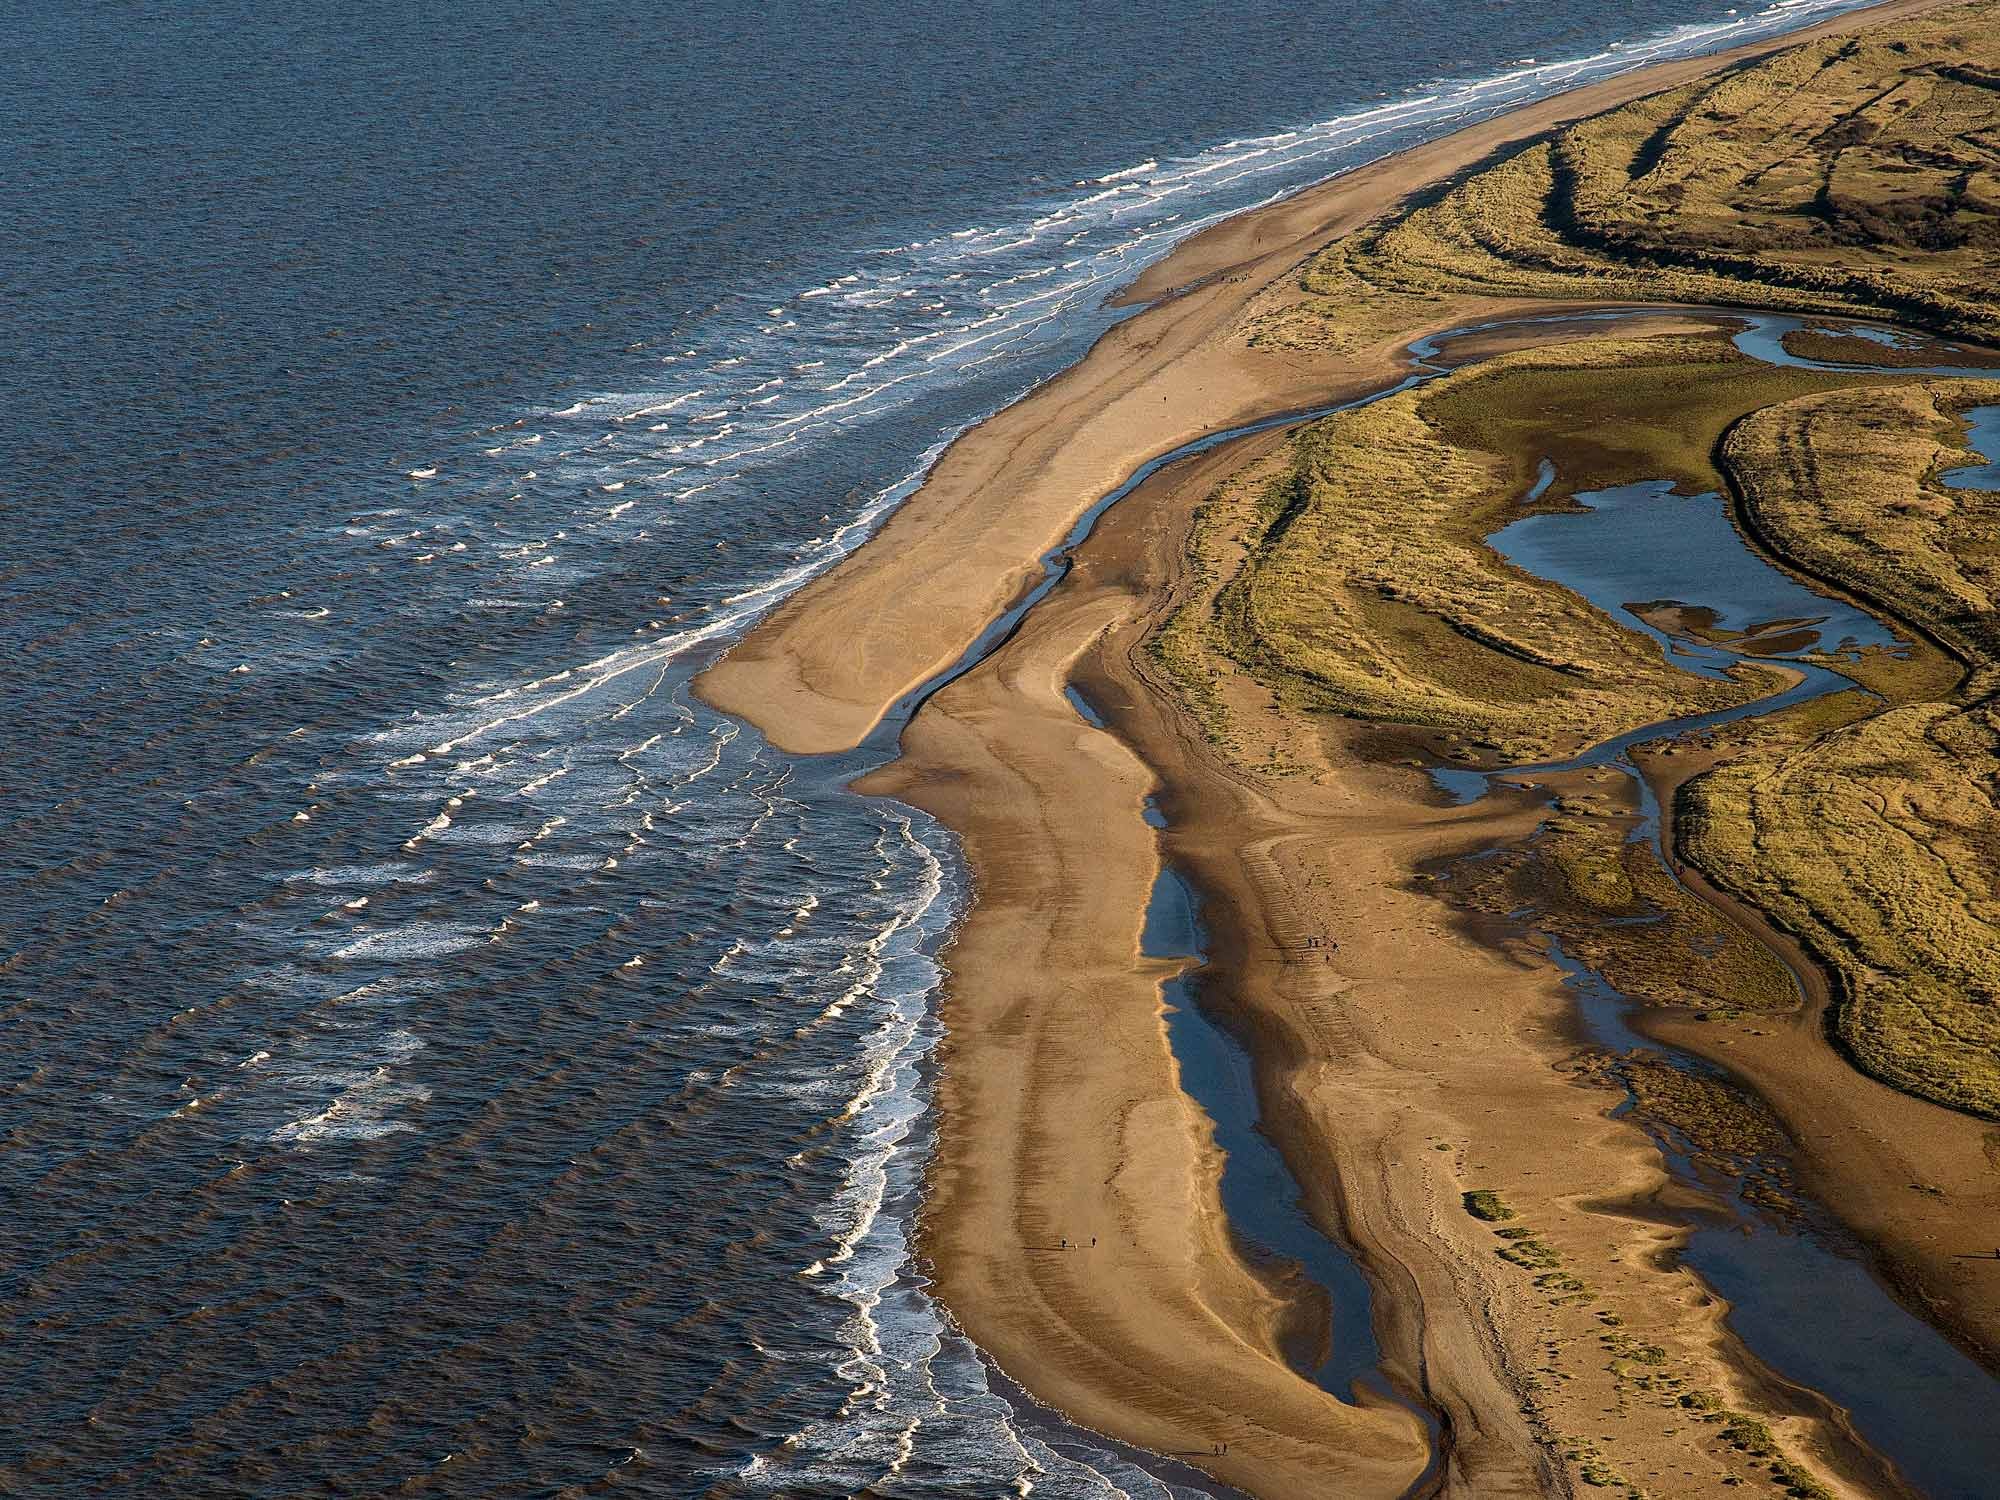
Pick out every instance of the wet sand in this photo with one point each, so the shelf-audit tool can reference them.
(823, 667)
(1414, 1063)
(1916, 1182)
(1061, 1119)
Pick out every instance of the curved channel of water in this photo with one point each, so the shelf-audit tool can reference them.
(1801, 1297)
(1930, 1434)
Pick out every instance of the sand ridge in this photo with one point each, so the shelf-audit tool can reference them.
(1412, 1065)
(820, 671)
(1414, 1061)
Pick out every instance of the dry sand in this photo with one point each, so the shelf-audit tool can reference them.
(1413, 1063)
(1061, 1116)
(822, 668)
(1409, 1065)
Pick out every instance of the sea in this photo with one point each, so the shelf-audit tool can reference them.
(440, 1055)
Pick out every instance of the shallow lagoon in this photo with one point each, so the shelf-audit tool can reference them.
(1642, 544)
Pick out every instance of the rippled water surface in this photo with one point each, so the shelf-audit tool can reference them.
(439, 1053)
(1644, 544)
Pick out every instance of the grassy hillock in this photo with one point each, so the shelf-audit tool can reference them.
(1879, 842)
(1367, 590)
(1352, 575)
(1854, 174)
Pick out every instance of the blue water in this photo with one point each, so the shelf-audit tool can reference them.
(1804, 1303)
(1642, 544)
(1083, 708)
(1983, 437)
(1259, 1192)
(440, 1052)
(1763, 338)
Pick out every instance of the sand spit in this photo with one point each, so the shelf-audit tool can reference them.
(1074, 1224)
(819, 672)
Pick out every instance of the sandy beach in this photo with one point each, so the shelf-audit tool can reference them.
(1405, 1057)
(1372, 1064)
(820, 670)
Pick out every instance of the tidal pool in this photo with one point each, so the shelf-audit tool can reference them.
(1801, 1298)
(1640, 545)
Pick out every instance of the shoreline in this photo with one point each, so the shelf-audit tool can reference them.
(1352, 1088)
(1047, 979)
(817, 673)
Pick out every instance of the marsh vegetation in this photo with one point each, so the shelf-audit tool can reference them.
(1350, 574)
(1855, 174)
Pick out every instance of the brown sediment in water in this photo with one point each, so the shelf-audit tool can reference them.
(1406, 1056)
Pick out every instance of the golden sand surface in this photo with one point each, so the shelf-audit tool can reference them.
(1409, 1058)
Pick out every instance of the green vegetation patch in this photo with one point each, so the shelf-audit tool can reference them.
(1615, 907)
(1611, 413)
(1352, 575)
(1876, 840)
(1360, 582)
(1846, 174)
(1534, 1255)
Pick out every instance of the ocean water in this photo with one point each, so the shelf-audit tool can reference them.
(440, 1054)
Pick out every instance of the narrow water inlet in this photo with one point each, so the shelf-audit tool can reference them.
(1800, 1298)
(1810, 1310)
(1262, 1198)
(1084, 711)
(1259, 1193)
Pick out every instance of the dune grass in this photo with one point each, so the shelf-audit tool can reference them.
(1347, 574)
(1879, 841)
(1352, 576)
(1612, 412)
(1851, 174)
(1367, 591)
